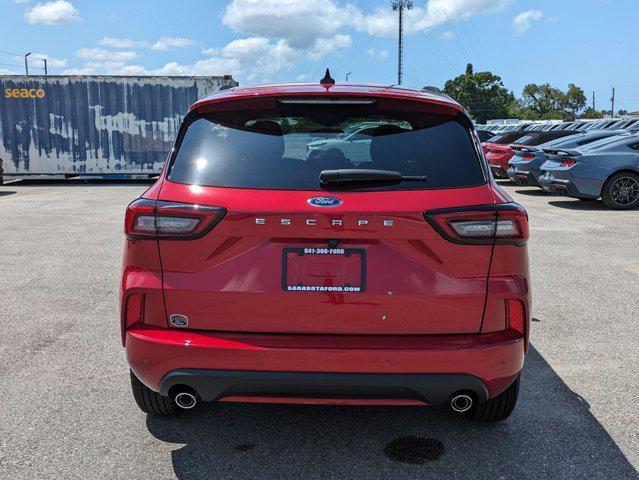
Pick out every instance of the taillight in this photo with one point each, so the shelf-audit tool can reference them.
(528, 157)
(148, 219)
(568, 162)
(505, 223)
(516, 317)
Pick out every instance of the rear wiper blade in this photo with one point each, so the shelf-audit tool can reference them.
(361, 177)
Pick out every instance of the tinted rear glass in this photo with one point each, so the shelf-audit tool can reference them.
(287, 147)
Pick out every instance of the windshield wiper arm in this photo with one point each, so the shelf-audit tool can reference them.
(361, 177)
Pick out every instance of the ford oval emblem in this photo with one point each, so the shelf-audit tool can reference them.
(324, 201)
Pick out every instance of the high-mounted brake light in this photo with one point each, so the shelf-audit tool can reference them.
(482, 225)
(148, 219)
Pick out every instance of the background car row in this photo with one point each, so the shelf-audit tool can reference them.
(582, 159)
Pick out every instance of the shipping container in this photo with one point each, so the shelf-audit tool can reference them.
(94, 125)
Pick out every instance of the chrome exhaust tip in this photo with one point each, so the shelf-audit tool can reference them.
(185, 400)
(461, 403)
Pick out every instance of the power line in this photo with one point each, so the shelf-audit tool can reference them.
(363, 45)
(455, 69)
(11, 53)
(10, 65)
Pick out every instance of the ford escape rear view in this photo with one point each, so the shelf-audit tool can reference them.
(282, 258)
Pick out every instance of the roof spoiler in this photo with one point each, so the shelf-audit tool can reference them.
(524, 148)
(553, 152)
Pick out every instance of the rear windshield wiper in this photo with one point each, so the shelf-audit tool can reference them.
(355, 177)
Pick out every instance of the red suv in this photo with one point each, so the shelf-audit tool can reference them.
(259, 270)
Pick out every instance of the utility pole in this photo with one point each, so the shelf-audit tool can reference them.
(399, 6)
(612, 99)
(46, 72)
(593, 101)
(26, 64)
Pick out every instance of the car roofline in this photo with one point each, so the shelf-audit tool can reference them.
(314, 90)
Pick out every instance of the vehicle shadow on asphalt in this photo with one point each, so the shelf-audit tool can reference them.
(533, 192)
(575, 204)
(6, 192)
(551, 434)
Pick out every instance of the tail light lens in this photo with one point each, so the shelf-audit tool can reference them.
(148, 219)
(528, 157)
(568, 162)
(516, 317)
(505, 223)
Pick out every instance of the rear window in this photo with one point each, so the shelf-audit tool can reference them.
(287, 147)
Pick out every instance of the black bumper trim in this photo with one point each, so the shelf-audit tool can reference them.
(432, 388)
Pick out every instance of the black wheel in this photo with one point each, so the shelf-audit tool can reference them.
(621, 191)
(498, 408)
(151, 402)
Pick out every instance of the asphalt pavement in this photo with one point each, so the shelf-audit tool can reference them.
(66, 409)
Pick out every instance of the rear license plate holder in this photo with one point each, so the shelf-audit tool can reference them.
(312, 269)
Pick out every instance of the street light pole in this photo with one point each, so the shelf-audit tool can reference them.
(26, 64)
(46, 72)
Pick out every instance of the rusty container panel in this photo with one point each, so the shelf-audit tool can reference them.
(94, 124)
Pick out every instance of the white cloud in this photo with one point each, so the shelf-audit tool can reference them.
(448, 35)
(383, 21)
(211, 51)
(52, 13)
(166, 43)
(79, 71)
(377, 54)
(523, 22)
(52, 62)
(120, 43)
(101, 55)
(301, 22)
(553, 19)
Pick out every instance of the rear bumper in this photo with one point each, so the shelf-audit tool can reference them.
(523, 177)
(559, 186)
(423, 368)
(498, 171)
(387, 388)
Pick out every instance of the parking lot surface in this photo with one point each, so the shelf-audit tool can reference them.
(66, 410)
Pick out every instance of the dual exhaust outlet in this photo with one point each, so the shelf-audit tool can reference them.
(185, 400)
(459, 402)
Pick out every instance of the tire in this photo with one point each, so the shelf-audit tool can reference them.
(610, 191)
(152, 402)
(498, 408)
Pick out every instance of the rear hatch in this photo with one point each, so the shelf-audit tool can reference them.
(282, 254)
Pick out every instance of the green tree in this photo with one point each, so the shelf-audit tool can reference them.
(573, 101)
(547, 102)
(482, 93)
(591, 113)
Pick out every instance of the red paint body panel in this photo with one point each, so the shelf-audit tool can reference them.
(495, 358)
(498, 154)
(385, 92)
(417, 281)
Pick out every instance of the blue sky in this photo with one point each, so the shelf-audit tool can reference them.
(592, 43)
